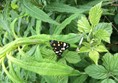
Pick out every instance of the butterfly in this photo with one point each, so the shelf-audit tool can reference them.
(59, 47)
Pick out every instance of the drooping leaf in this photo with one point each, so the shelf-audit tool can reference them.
(45, 67)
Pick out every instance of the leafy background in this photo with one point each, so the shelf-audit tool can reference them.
(89, 26)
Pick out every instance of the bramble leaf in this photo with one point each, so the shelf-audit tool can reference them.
(96, 71)
(95, 14)
(94, 55)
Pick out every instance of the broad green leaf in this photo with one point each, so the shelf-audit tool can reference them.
(72, 57)
(56, 79)
(102, 35)
(60, 27)
(111, 63)
(60, 7)
(84, 49)
(96, 71)
(45, 67)
(83, 25)
(104, 31)
(80, 79)
(104, 26)
(108, 81)
(37, 13)
(94, 55)
(101, 48)
(95, 14)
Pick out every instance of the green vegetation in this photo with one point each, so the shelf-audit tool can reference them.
(27, 26)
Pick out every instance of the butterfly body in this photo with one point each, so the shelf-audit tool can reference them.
(59, 47)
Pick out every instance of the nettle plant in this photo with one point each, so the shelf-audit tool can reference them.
(29, 57)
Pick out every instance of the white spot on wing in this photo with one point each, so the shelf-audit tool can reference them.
(60, 51)
(56, 51)
(67, 46)
(64, 44)
(62, 48)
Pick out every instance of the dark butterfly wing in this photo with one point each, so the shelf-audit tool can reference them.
(59, 47)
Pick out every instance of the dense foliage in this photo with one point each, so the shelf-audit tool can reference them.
(88, 26)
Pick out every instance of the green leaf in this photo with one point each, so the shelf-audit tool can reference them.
(56, 79)
(96, 71)
(104, 26)
(101, 48)
(12, 25)
(111, 63)
(103, 35)
(48, 53)
(14, 79)
(37, 13)
(70, 38)
(13, 72)
(14, 5)
(116, 18)
(60, 7)
(80, 79)
(103, 31)
(38, 27)
(108, 81)
(94, 55)
(72, 57)
(95, 14)
(83, 25)
(4, 24)
(45, 67)
(60, 27)
(37, 53)
(84, 49)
